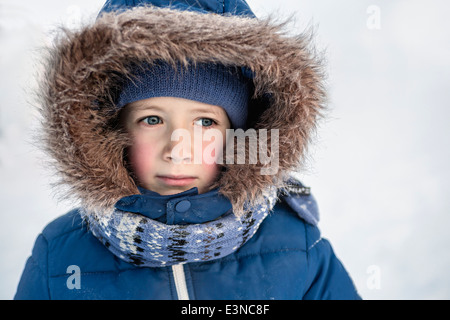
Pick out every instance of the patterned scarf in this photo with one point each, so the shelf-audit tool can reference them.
(146, 242)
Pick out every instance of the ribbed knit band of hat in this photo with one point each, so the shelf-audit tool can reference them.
(214, 84)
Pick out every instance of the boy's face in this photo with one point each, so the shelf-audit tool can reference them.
(156, 160)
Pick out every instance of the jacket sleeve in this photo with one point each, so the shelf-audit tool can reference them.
(33, 284)
(327, 278)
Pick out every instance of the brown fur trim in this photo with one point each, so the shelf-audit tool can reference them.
(85, 67)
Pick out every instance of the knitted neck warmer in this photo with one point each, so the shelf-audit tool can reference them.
(145, 242)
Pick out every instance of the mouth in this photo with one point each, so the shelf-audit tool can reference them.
(173, 180)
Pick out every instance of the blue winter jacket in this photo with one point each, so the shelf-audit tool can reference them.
(285, 259)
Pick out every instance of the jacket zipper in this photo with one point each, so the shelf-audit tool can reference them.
(180, 282)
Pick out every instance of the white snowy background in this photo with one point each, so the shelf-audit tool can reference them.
(380, 165)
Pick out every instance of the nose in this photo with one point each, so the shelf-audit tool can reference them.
(178, 148)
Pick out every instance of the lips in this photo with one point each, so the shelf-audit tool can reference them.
(174, 180)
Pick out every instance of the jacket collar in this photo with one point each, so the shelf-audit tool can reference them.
(183, 208)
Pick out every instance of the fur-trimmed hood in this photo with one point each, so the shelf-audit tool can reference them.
(85, 68)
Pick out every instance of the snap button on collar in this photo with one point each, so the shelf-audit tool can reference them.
(183, 206)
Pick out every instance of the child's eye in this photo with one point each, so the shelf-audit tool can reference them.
(205, 122)
(152, 120)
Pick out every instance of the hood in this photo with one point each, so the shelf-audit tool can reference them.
(85, 69)
(222, 7)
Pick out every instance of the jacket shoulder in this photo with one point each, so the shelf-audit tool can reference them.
(69, 242)
(68, 223)
(283, 232)
(291, 224)
(40, 266)
(300, 199)
(324, 274)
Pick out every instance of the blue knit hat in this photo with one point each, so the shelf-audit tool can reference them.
(209, 83)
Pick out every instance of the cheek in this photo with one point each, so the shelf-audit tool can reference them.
(210, 170)
(209, 175)
(210, 154)
(142, 158)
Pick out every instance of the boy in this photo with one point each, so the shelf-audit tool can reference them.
(138, 109)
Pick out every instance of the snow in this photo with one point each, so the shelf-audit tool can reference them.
(378, 168)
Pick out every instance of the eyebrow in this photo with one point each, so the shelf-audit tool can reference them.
(196, 110)
(206, 110)
(140, 107)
